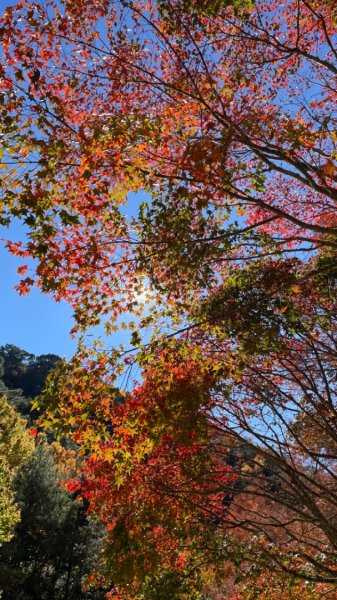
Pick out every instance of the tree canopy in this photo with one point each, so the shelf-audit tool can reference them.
(221, 116)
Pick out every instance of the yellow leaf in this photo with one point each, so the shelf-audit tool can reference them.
(296, 289)
(108, 454)
(119, 480)
(328, 169)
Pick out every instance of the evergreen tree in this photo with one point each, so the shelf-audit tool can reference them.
(55, 544)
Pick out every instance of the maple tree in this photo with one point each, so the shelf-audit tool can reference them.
(224, 114)
(210, 114)
(262, 410)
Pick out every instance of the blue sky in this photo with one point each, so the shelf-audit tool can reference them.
(4, 3)
(34, 322)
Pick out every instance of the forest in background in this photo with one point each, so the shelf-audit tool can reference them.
(204, 449)
(48, 545)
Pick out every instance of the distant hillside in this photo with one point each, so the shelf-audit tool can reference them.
(24, 370)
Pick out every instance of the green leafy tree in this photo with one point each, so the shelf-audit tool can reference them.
(9, 512)
(55, 545)
(15, 447)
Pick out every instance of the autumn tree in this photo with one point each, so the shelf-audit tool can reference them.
(213, 115)
(225, 116)
(258, 413)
